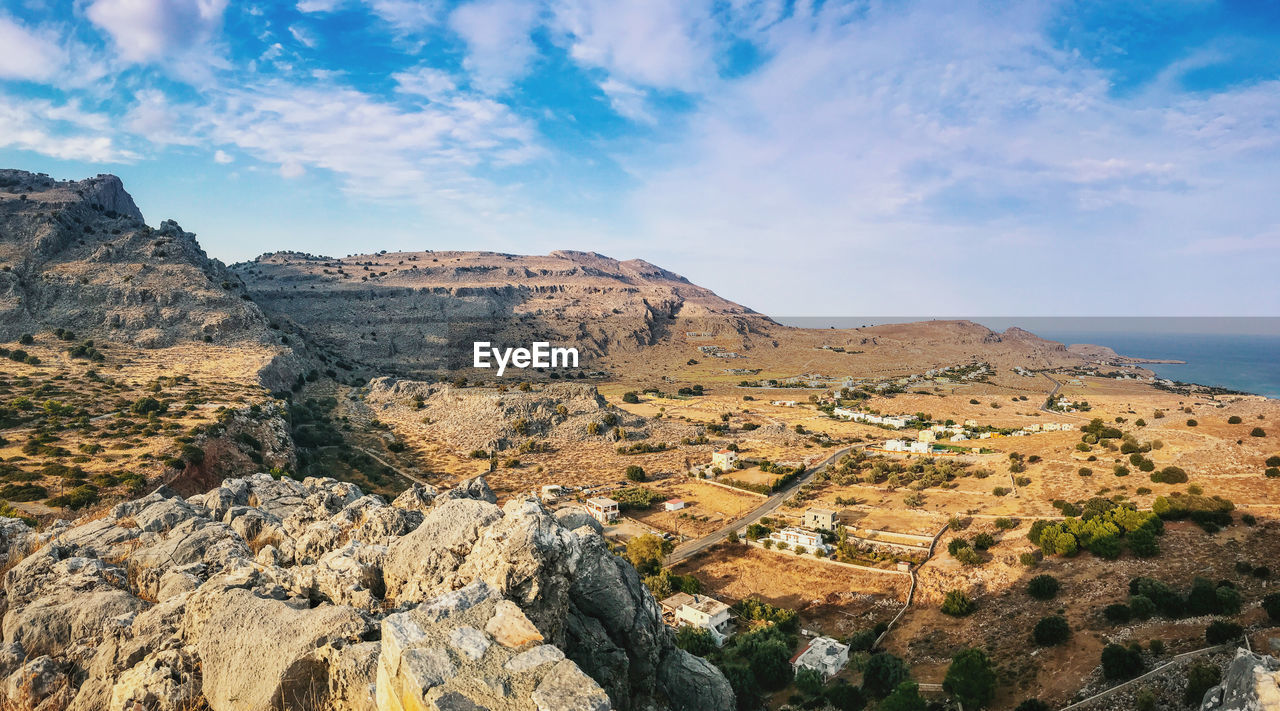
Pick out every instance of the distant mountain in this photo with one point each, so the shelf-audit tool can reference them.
(413, 312)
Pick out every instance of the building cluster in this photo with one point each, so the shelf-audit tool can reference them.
(718, 352)
(890, 421)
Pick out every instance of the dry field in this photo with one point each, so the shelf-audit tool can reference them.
(708, 507)
(830, 598)
(1005, 614)
(70, 425)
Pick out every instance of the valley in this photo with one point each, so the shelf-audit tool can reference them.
(889, 487)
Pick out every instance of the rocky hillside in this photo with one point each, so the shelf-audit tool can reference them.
(78, 255)
(276, 594)
(410, 313)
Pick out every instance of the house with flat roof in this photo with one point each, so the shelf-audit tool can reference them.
(793, 537)
(603, 509)
(823, 655)
(699, 611)
(725, 459)
(673, 504)
(820, 518)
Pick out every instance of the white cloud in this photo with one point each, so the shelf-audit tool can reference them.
(665, 44)
(28, 54)
(377, 148)
(627, 101)
(63, 131)
(429, 82)
(304, 36)
(497, 34)
(222, 157)
(145, 30)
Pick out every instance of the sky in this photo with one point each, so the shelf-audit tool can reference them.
(1029, 158)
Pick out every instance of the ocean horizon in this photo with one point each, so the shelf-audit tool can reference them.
(1239, 353)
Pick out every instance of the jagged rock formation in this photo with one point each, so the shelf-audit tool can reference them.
(273, 594)
(78, 255)
(1251, 683)
(411, 313)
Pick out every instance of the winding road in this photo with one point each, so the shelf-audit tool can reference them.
(698, 545)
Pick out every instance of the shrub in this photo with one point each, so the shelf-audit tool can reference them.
(1257, 432)
(1273, 460)
(968, 556)
(1043, 587)
(1120, 470)
(1122, 662)
(1033, 705)
(1192, 423)
(1005, 523)
(1170, 475)
(1051, 630)
(1000, 491)
(1118, 613)
(1222, 631)
(1200, 678)
(1234, 420)
(695, 640)
(1271, 603)
(1029, 559)
(971, 678)
(983, 541)
(957, 604)
(1141, 606)
(1085, 471)
(882, 674)
(635, 472)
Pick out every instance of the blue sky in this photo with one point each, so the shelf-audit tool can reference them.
(802, 158)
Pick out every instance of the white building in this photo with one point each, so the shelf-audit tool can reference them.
(824, 519)
(823, 655)
(926, 436)
(970, 423)
(673, 504)
(793, 537)
(1051, 427)
(899, 445)
(894, 421)
(725, 459)
(603, 509)
(784, 403)
(959, 437)
(699, 611)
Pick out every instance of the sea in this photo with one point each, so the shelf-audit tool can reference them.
(1239, 353)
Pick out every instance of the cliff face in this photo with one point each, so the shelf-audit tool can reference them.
(77, 255)
(266, 594)
(410, 313)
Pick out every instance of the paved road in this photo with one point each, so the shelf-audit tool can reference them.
(1056, 387)
(698, 545)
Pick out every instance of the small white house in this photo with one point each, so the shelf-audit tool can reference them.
(823, 655)
(792, 536)
(673, 504)
(725, 459)
(699, 611)
(784, 403)
(959, 437)
(603, 509)
(926, 436)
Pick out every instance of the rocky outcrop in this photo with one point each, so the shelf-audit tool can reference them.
(271, 594)
(1251, 683)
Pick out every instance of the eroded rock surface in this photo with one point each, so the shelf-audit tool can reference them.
(278, 594)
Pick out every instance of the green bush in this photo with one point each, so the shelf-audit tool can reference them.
(957, 604)
(1117, 613)
(1234, 420)
(1271, 603)
(1033, 705)
(1121, 663)
(1043, 587)
(882, 674)
(635, 472)
(1222, 631)
(1257, 432)
(971, 678)
(1051, 630)
(631, 397)
(1201, 677)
